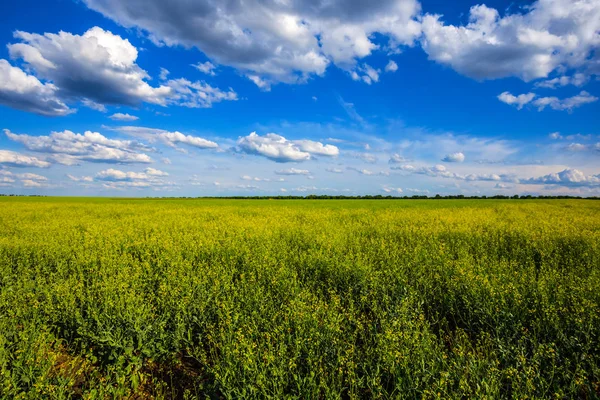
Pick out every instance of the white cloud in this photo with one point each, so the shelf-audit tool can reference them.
(397, 159)
(567, 177)
(123, 117)
(25, 92)
(454, 158)
(93, 105)
(197, 94)
(168, 138)
(576, 147)
(271, 41)
(520, 100)
(28, 183)
(440, 171)
(278, 148)
(155, 172)
(14, 159)
(90, 146)
(292, 171)
(117, 175)
(317, 148)
(164, 74)
(97, 65)
(555, 135)
(206, 68)
(367, 171)
(369, 74)
(392, 190)
(88, 179)
(578, 79)
(549, 35)
(391, 66)
(406, 167)
(117, 179)
(33, 177)
(567, 104)
(305, 189)
(97, 68)
(335, 170)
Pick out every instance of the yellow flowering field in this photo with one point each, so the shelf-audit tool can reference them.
(323, 299)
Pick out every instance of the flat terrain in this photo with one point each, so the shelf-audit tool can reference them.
(112, 298)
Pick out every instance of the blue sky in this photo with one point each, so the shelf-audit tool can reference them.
(264, 97)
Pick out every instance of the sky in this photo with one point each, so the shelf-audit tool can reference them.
(285, 97)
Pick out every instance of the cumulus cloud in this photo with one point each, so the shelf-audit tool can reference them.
(171, 139)
(123, 117)
(440, 171)
(25, 92)
(74, 178)
(206, 68)
(578, 80)
(97, 68)
(70, 147)
(257, 179)
(317, 148)
(292, 171)
(397, 159)
(454, 158)
(14, 159)
(392, 190)
(391, 66)
(97, 65)
(197, 94)
(567, 177)
(567, 104)
(366, 73)
(155, 172)
(367, 171)
(117, 179)
(555, 135)
(547, 36)
(280, 149)
(520, 100)
(271, 41)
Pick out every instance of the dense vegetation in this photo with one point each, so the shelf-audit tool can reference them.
(103, 298)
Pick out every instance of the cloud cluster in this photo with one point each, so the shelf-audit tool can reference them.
(454, 158)
(271, 41)
(566, 104)
(280, 149)
(25, 92)
(123, 117)
(69, 148)
(550, 35)
(97, 68)
(117, 179)
(27, 180)
(292, 171)
(170, 139)
(14, 159)
(567, 177)
(440, 171)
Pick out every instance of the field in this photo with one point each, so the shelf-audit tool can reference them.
(114, 298)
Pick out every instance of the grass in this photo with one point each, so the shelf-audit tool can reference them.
(114, 298)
